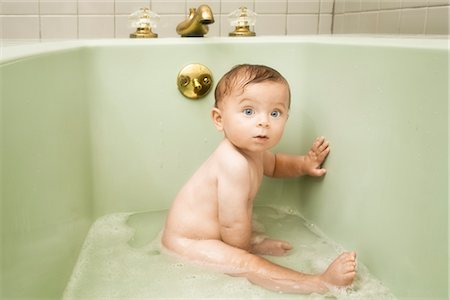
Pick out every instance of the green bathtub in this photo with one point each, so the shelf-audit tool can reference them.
(92, 128)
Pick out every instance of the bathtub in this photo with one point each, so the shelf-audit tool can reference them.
(91, 128)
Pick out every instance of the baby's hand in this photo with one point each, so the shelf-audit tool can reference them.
(315, 157)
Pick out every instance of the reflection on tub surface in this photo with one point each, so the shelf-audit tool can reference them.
(122, 258)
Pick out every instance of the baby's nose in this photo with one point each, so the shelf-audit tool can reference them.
(264, 123)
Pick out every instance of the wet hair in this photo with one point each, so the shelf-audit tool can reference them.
(242, 75)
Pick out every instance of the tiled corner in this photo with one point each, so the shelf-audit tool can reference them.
(325, 23)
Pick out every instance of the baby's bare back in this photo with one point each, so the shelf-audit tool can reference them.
(213, 200)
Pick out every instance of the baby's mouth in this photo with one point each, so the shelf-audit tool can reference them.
(261, 137)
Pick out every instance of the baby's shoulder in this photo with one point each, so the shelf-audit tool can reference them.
(229, 158)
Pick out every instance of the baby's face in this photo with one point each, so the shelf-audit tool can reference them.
(254, 120)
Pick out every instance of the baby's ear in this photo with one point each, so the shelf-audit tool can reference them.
(216, 116)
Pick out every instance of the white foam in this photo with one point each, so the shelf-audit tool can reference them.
(112, 266)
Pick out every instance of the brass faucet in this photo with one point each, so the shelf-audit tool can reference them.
(196, 24)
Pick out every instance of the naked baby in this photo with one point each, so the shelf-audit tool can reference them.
(210, 221)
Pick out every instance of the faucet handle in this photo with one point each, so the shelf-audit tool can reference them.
(242, 19)
(143, 20)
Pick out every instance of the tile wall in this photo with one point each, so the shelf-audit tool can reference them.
(85, 19)
(392, 16)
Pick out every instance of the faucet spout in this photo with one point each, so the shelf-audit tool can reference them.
(196, 23)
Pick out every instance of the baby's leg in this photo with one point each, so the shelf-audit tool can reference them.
(269, 246)
(237, 262)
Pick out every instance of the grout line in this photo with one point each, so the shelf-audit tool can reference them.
(333, 15)
(40, 20)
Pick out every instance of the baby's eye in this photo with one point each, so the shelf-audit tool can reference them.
(248, 111)
(275, 114)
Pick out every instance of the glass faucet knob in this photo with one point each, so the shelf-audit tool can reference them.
(144, 18)
(242, 17)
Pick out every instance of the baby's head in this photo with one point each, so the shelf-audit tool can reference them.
(242, 75)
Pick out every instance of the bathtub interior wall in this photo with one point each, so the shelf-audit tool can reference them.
(386, 193)
(383, 108)
(46, 182)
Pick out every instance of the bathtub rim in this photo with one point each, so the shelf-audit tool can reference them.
(12, 50)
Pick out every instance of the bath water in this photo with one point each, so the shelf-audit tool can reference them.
(122, 258)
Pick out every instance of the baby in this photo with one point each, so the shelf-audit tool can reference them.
(210, 221)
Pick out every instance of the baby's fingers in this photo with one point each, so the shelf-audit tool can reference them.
(323, 153)
(320, 144)
(317, 143)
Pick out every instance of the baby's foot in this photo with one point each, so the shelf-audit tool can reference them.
(271, 247)
(342, 271)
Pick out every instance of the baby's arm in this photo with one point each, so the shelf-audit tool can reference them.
(235, 217)
(284, 165)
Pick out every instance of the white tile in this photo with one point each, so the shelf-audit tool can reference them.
(391, 4)
(168, 24)
(339, 6)
(351, 23)
(414, 3)
(325, 22)
(271, 6)
(338, 24)
(59, 27)
(368, 22)
(438, 2)
(123, 28)
(412, 21)
(353, 6)
(92, 27)
(20, 27)
(270, 25)
(227, 6)
(62, 7)
(326, 6)
(303, 6)
(369, 5)
(170, 7)
(127, 7)
(97, 7)
(388, 22)
(438, 20)
(302, 24)
(20, 7)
